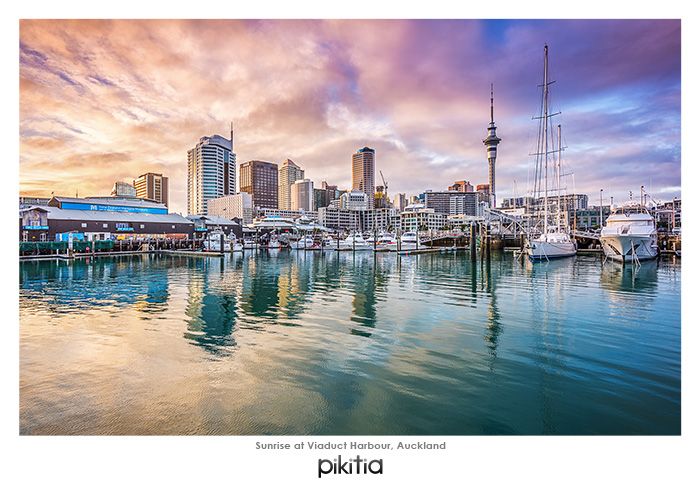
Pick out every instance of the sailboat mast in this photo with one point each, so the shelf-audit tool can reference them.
(545, 98)
(559, 177)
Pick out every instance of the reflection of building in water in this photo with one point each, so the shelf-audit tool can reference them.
(368, 282)
(211, 309)
(260, 282)
(293, 285)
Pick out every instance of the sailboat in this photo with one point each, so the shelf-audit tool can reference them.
(552, 240)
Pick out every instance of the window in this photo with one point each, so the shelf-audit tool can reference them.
(142, 226)
(173, 226)
(104, 225)
(83, 225)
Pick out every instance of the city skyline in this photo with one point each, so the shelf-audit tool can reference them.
(95, 109)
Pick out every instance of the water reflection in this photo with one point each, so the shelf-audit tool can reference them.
(341, 343)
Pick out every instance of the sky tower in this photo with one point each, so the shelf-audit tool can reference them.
(491, 141)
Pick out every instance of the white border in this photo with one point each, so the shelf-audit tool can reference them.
(230, 465)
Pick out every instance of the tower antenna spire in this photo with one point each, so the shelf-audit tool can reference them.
(491, 102)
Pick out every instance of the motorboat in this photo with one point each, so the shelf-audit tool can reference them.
(629, 234)
(306, 242)
(410, 241)
(355, 242)
(386, 242)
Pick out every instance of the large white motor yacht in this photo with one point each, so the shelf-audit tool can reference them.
(629, 234)
(355, 242)
(410, 241)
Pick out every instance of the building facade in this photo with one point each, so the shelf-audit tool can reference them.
(289, 172)
(153, 186)
(260, 180)
(400, 201)
(238, 206)
(423, 220)
(302, 195)
(461, 186)
(363, 173)
(452, 202)
(211, 172)
(123, 189)
(101, 218)
(353, 200)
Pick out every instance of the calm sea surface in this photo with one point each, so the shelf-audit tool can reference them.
(312, 343)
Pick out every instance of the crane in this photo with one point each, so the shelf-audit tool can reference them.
(386, 185)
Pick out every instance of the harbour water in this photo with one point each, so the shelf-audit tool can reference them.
(342, 343)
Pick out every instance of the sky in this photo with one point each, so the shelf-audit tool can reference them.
(105, 101)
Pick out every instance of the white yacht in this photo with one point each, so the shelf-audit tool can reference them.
(386, 242)
(551, 239)
(355, 242)
(249, 243)
(274, 242)
(629, 234)
(213, 242)
(305, 243)
(410, 241)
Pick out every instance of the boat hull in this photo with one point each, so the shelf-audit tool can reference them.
(624, 248)
(543, 251)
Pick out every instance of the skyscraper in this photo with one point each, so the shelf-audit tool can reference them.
(302, 195)
(491, 141)
(123, 189)
(152, 186)
(289, 172)
(259, 178)
(211, 172)
(363, 173)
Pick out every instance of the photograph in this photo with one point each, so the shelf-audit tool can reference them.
(366, 227)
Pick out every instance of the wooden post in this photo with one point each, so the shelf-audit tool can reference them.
(472, 241)
(221, 243)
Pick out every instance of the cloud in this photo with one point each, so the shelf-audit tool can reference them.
(105, 100)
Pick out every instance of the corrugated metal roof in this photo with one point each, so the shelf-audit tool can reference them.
(56, 213)
(128, 202)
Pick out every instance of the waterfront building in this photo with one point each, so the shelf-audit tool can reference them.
(589, 218)
(491, 141)
(517, 202)
(668, 215)
(363, 173)
(154, 186)
(259, 179)
(461, 186)
(353, 200)
(237, 206)
(285, 213)
(289, 172)
(302, 195)
(379, 219)
(211, 172)
(339, 219)
(423, 220)
(204, 224)
(452, 202)
(123, 189)
(101, 218)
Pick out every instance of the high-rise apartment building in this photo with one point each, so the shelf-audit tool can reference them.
(259, 179)
(289, 172)
(211, 172)
(302, 195)
(363, 173)
(152, 186)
